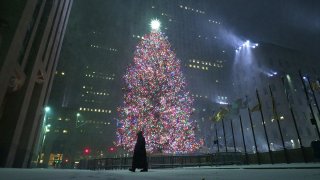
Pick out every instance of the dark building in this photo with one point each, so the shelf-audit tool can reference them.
(31, 37)
(86, 95)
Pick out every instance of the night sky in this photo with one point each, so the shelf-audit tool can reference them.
(294, 23)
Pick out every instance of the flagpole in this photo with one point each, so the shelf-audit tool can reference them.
(254, 137)
(244, 142)
(308, 101)
(234, 142)
(264, 126)
(278, 123)
(294, 120)
(224, 135)
(314, 96)
(215, 127)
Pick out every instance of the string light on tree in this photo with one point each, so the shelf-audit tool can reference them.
(156, 100)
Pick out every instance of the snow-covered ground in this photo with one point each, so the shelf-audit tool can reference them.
(260, 172)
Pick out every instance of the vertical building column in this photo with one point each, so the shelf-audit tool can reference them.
(16, 45)
(40, 34)
(62, 18)
(10, 97)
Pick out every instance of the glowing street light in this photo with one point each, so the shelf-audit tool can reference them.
(155, 25)
(47, 128)
(86, 151)
(78, 123)
(47, 109)
(44, 130)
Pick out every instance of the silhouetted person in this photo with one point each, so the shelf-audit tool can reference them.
(139, 154)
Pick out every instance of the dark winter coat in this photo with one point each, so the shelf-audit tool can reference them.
(140, 154)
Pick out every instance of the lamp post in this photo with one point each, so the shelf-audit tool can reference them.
(77, 121)
(78, 124)
(44, 129)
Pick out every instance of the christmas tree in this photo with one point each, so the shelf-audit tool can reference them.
(156, 100)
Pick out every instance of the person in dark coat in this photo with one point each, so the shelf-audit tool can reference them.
(140, 154)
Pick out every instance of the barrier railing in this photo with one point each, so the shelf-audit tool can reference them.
(215, 159)
(165, 161)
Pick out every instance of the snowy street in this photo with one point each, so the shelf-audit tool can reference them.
(261, 172)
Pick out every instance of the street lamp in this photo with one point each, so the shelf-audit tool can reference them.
(78, 124)
(45, 128)
(47, 109)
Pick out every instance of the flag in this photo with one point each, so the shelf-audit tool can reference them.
(220, 114)
(256, 108)
(245, 103)
(315, 86)
(238, 104)
(274, 110)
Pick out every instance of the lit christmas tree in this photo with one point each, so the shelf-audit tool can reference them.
(156, 100)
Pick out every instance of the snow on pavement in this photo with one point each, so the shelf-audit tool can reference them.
(203, 173)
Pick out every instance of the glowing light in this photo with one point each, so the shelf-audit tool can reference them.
(155, 24)
(86, 151)
(288, 77)
(47, 109)
(221, 102)
(247, 44)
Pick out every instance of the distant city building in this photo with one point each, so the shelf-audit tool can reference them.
(88, 99)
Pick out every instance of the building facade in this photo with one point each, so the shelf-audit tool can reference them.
(31, 36)
(84, 100)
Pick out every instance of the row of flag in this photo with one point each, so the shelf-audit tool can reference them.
(240, 103)
(234, 109)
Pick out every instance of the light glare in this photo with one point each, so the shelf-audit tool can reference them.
(47, 109)
(155, 24)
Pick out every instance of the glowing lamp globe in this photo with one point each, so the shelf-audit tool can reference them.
(47, 109)
(155, 24)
